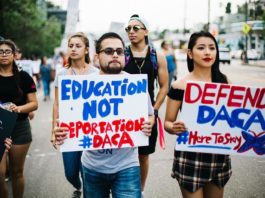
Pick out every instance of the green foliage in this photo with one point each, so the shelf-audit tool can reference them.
(254, 13)
(162, 34)
(22, 21)
(263, 19)
(228, 8)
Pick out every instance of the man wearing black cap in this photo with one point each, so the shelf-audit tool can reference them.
(142, 58)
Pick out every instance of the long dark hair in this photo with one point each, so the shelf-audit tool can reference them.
(84, 38)
(217, 75)
(15, 70)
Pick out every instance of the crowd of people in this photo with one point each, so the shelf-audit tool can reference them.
(124, 171)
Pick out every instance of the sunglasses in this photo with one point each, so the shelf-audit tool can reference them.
(111, 51)
(6, 52)
(135, 28)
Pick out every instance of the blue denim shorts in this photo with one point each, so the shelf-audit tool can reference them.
(123, 184)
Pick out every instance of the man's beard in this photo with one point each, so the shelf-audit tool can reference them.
(111, 70)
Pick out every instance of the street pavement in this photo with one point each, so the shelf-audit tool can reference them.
(44, 169)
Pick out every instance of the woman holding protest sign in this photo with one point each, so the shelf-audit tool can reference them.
(17, 94)
(198, 174)
(78, 64)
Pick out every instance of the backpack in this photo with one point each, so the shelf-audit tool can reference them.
(153, 58)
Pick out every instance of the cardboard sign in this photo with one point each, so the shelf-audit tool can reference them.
(103, 111)
(7, 124)
(224, 119)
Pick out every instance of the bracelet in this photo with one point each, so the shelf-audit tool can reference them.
(156, 112)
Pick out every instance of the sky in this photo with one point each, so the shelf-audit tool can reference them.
(96, 15)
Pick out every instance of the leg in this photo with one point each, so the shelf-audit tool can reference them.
(17, 160)
(7, 175)
(212, 190)
(96, 184)
(144, 153)
(49, 88)
(127, 183)
(3, 186)
(45, 89)
(196, 194)
(144, 165)
(72, 168)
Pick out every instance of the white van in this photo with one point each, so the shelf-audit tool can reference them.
(224, 55)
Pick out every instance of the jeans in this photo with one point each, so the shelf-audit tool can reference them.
(123, 184)
(73, 167)
(46, 87)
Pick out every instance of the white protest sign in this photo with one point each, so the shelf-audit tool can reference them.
(224, 119)
(103, 111)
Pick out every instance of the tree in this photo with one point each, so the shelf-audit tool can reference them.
(27, 27)
(263, 19)
(228, 8)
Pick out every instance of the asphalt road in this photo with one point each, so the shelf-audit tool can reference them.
(44, 169)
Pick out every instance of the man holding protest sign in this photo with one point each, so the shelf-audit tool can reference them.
(114, 169)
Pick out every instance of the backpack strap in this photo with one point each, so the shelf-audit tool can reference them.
(153, 58)
(127, 55)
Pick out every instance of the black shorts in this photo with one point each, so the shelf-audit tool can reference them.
(21, 133)
(146, 150)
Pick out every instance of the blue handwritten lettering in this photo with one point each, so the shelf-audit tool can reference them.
(65, 89)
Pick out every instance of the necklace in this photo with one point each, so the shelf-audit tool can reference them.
(78, 73)
(139, 66)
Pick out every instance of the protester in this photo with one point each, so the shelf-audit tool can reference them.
(45, 75)
(171, 61)
(78, 64)
(198, 174)
(112, 170)
(142, 58)
(17, 88)
(35, 64)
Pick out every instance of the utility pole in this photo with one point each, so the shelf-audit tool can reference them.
(246, 36)
(184, 20)
(209, 8)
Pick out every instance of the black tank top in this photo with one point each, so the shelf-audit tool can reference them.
(147, 68)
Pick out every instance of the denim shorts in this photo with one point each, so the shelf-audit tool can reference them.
(123, 184)
(21, 133)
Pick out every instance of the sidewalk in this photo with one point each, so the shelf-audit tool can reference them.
(256, 63)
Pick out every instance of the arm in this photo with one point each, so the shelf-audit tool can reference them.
(8, 143)
(58, 134)
(162, 80)
(55, 116)
(172, 125)
(148, 125)
(31, 105)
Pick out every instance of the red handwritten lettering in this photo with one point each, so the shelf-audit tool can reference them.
(189, 90)
(207, 93)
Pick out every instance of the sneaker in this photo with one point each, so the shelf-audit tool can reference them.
(76, 194)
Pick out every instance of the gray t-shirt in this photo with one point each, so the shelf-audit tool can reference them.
(68, 71)
(110, 161)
